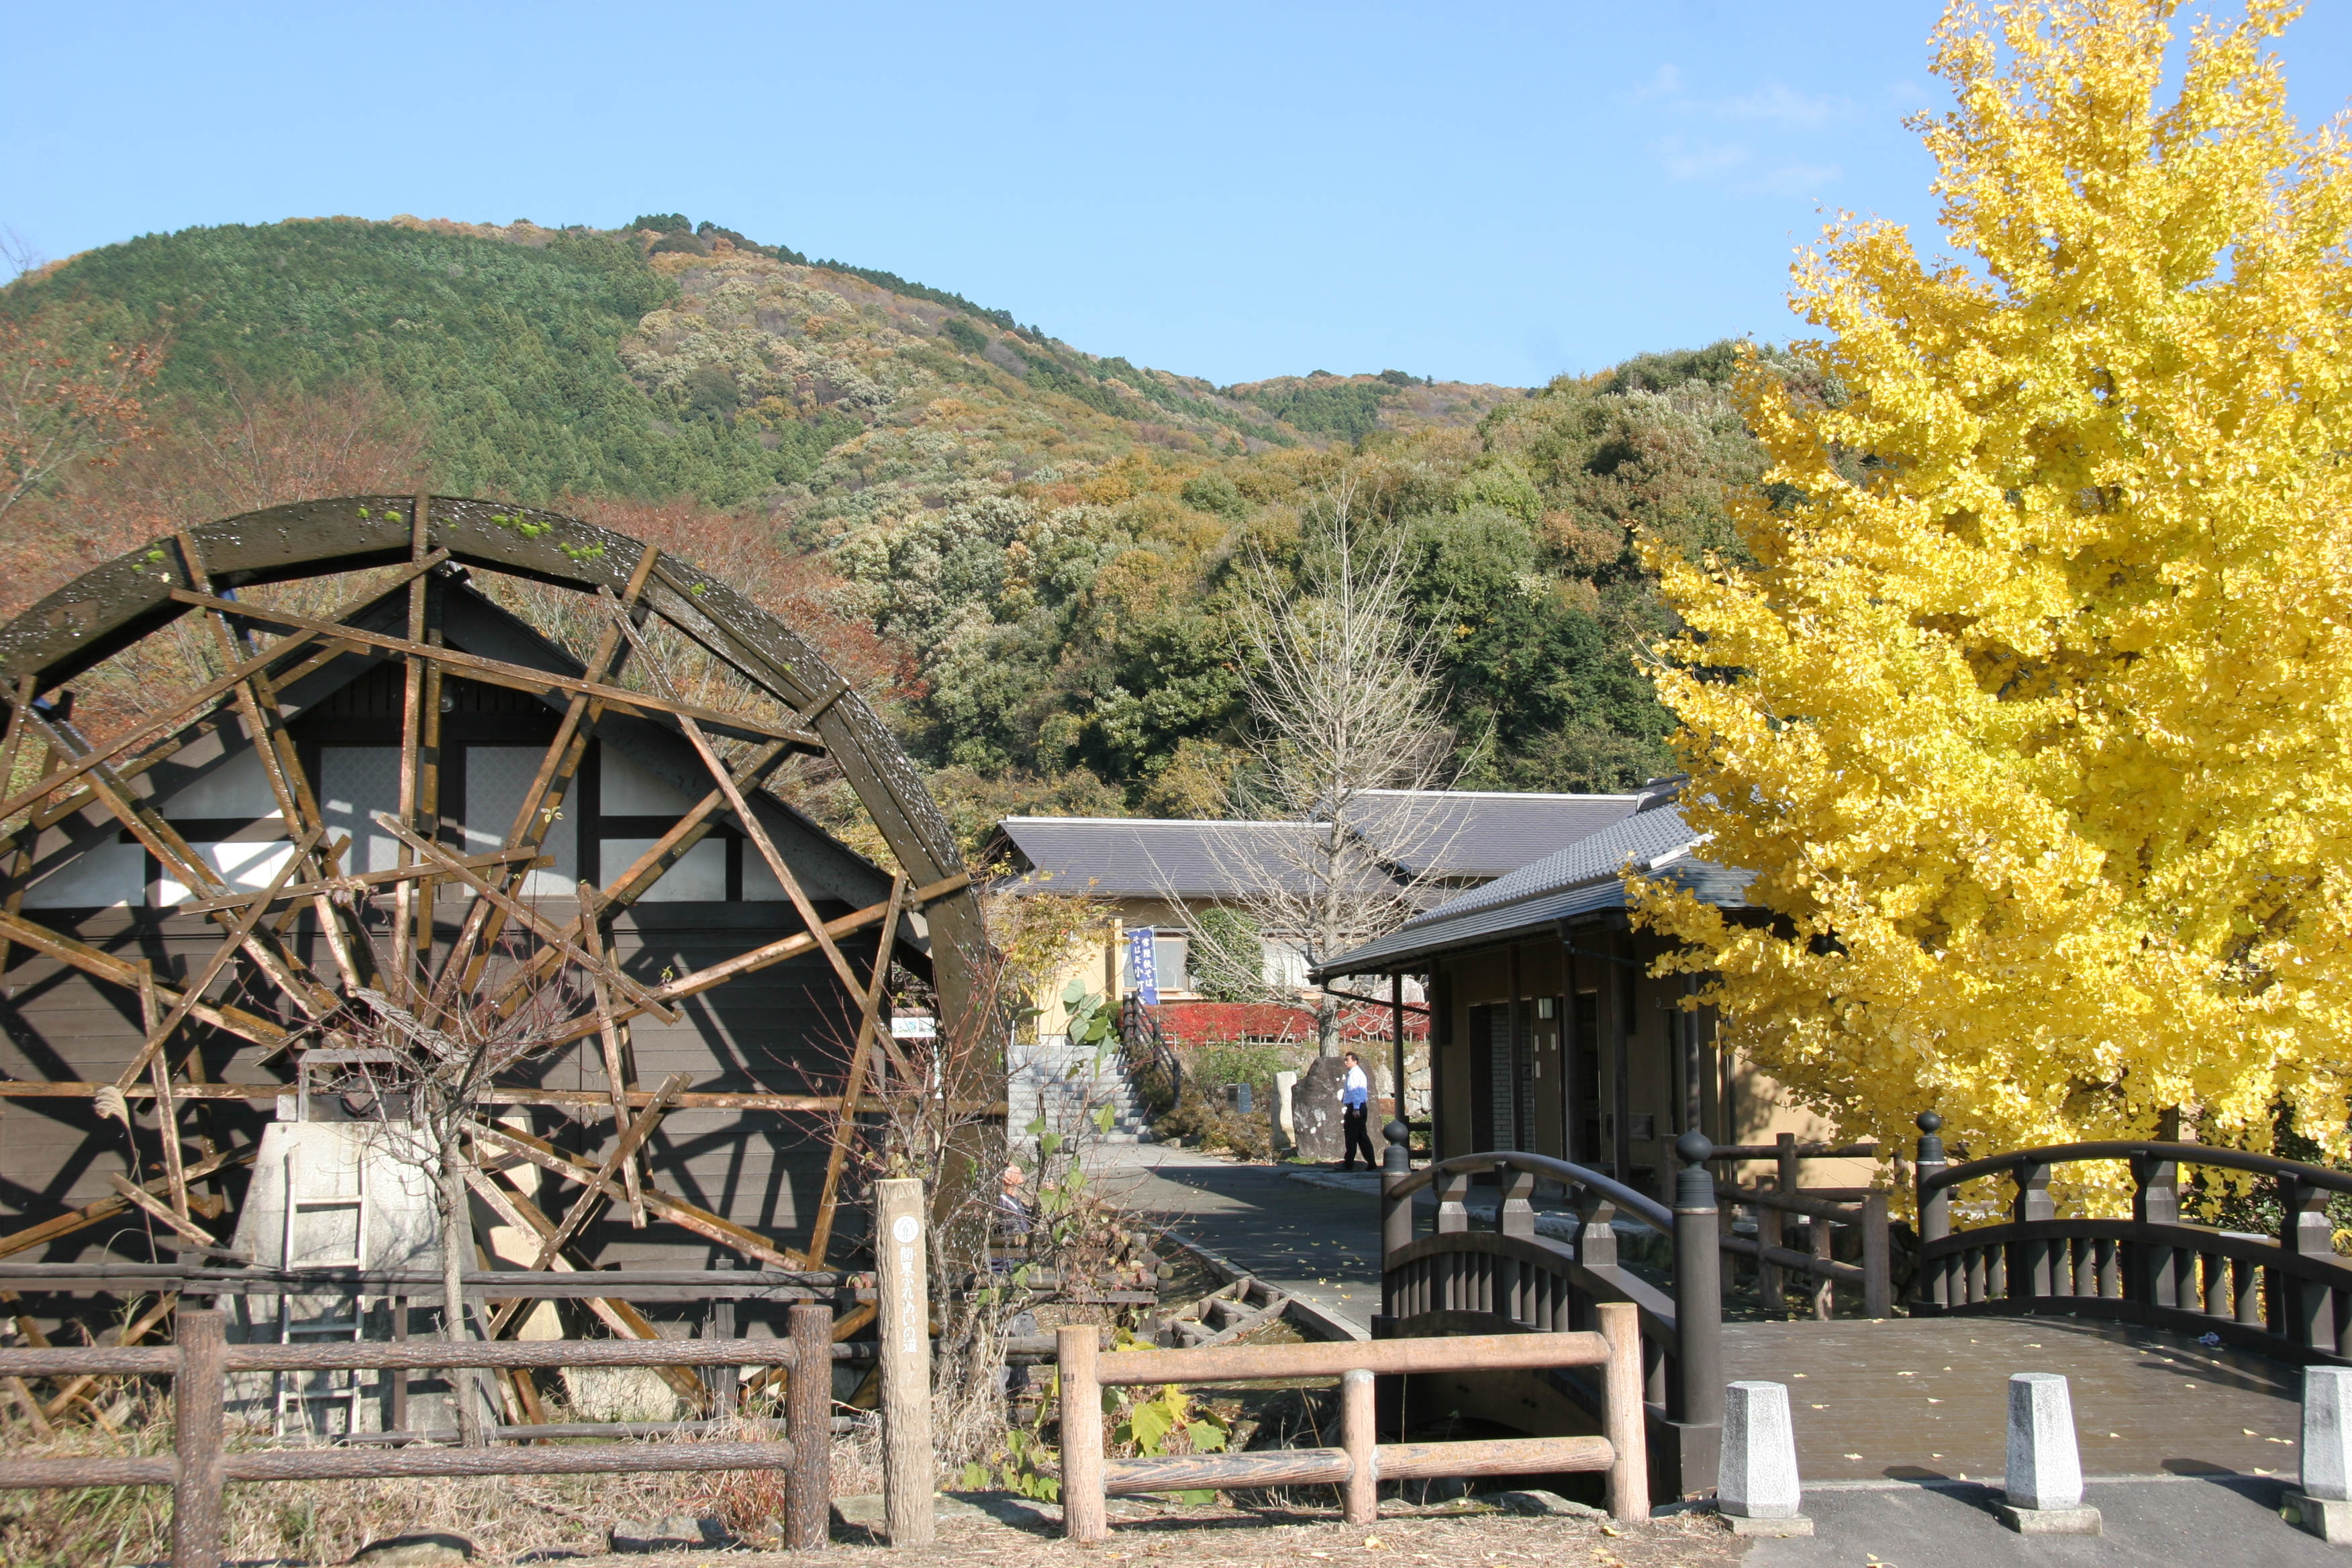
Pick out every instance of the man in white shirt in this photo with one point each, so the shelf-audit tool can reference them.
(1356, 1105)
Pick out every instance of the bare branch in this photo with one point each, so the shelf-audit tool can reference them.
(1344, 693)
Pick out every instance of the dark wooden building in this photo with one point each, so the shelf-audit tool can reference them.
(1548, 1033)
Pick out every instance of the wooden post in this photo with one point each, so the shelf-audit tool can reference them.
(2032, 1274)
(1698, 1287)
(1396, 1213)
(199, 1444)
(399, 1377)
(1822, 1234)
(723, 1381)
(1396, 1024)
(1877, 1287)
(808, 1422)
(1620, 1073)
(1771, 1288)
(2310, 1304)
(1514, 1213)
(1933, 1287)
(1359, 1438)
(1083, 1518)
(1453, 1202)
(2156, 1200)
(909, 1473)
(1621, 1414)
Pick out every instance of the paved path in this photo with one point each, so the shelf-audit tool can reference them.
(1312, 1241)
(2149, 1522)
(1926, 1399)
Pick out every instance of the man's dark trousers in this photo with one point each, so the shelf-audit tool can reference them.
(1353, 1118)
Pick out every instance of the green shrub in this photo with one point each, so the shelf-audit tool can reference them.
(958, 330)
(1207, 1117)
(1254, 1062)
(1228, 957)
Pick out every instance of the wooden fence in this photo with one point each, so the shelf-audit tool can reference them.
(1361, 1463)
(2288, 1295)
(200, 1465)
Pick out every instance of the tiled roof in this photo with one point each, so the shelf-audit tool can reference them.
(1149, 857)
(1447, 836)
(1477, 835)
(1583, 879)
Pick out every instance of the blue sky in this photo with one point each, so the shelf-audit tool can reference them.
(1483, 192)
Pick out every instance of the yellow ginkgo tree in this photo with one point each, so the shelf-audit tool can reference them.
(2033, 715)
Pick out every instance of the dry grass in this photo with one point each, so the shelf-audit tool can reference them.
(1222, 1537)
(326, 1521)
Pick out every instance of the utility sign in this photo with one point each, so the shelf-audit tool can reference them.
(1144, 966)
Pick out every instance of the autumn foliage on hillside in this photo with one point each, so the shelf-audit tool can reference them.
(1025, 554)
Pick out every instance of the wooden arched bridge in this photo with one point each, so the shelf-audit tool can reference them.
(2181, 1339)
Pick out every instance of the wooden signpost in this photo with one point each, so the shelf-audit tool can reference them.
(909, 1473)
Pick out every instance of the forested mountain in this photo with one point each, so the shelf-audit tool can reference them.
(1028, 552)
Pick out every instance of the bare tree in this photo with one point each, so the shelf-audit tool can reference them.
(1344, 694)
(66, 397)
(425, 1089)
(18, 254)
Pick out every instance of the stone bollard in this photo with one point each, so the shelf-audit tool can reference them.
(2045, 1470)
(2323, 1504)
(1756, 1487)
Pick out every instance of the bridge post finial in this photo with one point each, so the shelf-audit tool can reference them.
(1698, 1284)
(1934, 1208)
(1396, 1213)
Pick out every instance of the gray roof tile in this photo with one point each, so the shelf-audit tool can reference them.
(1467, 836)
(1583, 879)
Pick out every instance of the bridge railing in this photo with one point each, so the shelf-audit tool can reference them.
(1873, 1277)
(1505, 1280)
(2288, 1295)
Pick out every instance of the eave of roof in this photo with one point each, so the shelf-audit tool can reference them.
(1438, 932)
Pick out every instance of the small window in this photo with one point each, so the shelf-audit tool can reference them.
(699, 876)
(497, 779)
(104, 875)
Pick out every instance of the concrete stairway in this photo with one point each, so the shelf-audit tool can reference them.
(1067, 1086)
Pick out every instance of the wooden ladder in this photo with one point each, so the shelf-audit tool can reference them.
(291, 1394)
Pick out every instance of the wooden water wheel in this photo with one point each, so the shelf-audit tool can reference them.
(422, 794)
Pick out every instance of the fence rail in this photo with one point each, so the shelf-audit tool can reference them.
(110, 1276)
(1361, 1463)
(1457, 1280)
(200, 1464)
(2289, 1295)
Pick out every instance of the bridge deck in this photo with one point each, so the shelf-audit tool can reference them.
(1927, 1397)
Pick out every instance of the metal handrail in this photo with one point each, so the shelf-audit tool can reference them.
(1139, 1036)
(1646, 1209)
